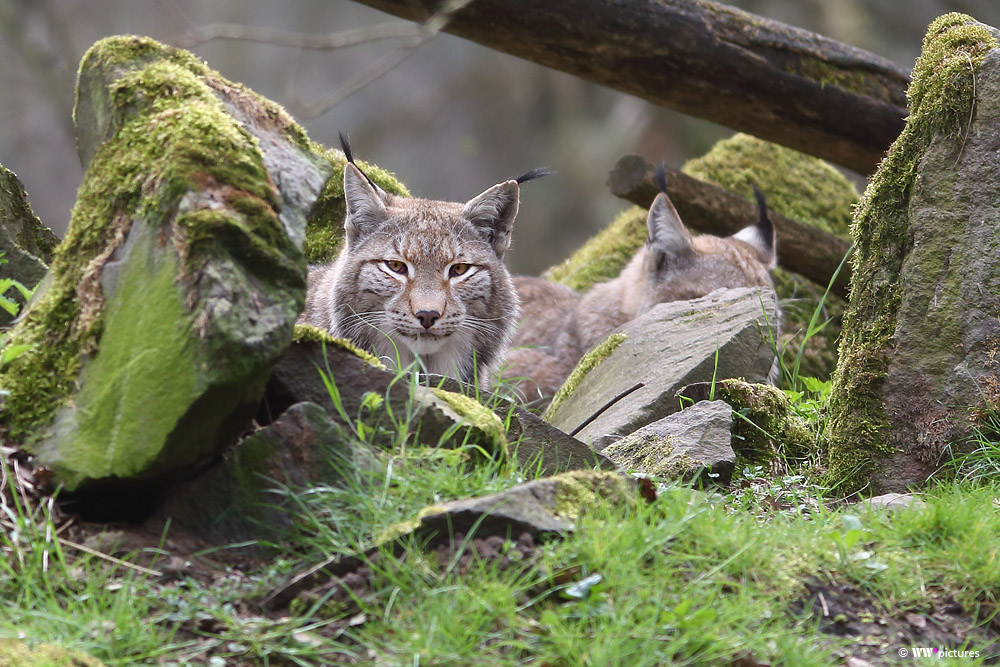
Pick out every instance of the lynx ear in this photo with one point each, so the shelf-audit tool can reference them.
(761, 235)
(493, 213)
(668, 238)
(365, 203)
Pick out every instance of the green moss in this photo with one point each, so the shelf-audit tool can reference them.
(307, 333)
(20, 654)
(325, 226)
(582, 489)
(941, 98)
(16, 214)
(796, 185)
(128, 377)
(479, 417)
(589, 362)
(604, 256)
(649, 454)
(172, 135)
(767, 426)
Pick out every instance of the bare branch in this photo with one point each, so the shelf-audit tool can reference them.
(297, 40)
(705, 59)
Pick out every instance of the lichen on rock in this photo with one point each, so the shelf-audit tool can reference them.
(767, 427)
(307, 333)
(589, 362)
(604, 256)
(483, 421)
(15, 653)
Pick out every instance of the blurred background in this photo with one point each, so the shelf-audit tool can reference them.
(450, 120)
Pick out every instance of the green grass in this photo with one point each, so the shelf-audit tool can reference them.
(690, 578)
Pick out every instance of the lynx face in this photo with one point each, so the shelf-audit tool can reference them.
(560, 325)
(677, 266)
(422, 280)
(674, 265)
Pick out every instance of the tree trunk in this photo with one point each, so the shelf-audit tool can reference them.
(704, 207)
(715, 62)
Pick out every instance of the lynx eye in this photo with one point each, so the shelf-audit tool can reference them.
(456, 270)
(396, 266)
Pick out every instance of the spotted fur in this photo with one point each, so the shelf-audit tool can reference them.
(560, 325)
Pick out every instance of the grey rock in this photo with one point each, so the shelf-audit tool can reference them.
(27, 245)
(240, 498)
(178, 284)
(531, 440)
(550, 505)
(673, 345)
(692, 443)
(893, 501)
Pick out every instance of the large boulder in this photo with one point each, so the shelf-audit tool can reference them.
(920, 353)
(722, 335)
(180, 278)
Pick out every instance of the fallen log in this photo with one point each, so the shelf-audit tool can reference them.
(708, 60)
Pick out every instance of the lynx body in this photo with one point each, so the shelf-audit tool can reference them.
(421, 280)
(560, 325)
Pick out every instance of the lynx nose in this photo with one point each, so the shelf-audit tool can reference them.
(427, 317)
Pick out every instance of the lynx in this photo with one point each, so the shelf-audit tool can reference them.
(560, 325)
(421, 280)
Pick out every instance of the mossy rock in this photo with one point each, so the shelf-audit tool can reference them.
(766, 428)
(26, 245)
(589, 362)
(178, 283)
(14, 653)
(918, 355)
(799, 186)
(241, 498)
(548, 505)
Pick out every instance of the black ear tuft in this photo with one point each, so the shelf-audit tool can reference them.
(661, 178)
(345, 145)
(764, 223)
(531, 175)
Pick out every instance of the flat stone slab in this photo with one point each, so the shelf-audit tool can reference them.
(550, 505)
(692, 443)
(722, 335)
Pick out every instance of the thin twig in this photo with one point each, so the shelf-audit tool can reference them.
(298, 40)
(601, 410)
(108, 557)
(424, 33)
(362, 79)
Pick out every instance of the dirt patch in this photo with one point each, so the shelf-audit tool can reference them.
(880, 637)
